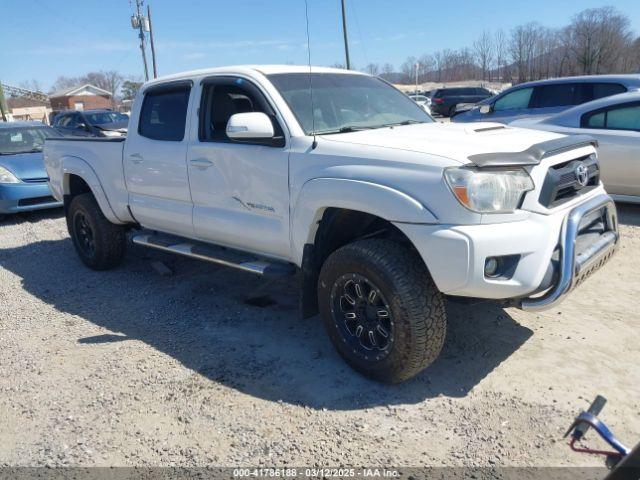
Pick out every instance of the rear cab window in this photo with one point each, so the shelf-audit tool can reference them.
(163, 115)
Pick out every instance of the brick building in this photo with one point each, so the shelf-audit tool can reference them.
(83, 97)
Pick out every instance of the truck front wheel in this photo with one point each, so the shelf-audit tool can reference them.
(100, 244)
(381, 309)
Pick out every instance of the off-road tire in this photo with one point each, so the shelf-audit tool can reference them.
(416, 306)
(108, 239)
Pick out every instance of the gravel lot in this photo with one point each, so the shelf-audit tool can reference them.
(129, 367)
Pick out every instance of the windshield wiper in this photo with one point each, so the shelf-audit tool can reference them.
(345, 129)
(34, 150)
(405, 122)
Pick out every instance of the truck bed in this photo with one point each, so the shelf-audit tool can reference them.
(97, 160)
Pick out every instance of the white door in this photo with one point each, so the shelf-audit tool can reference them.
(240, 191)
(155, 163)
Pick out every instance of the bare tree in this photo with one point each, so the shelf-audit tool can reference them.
(408, 69)
(33, 85)
(372, 69)
(483, 49)
(598, 38)
(500, 48)
(63, 82)
(439, 65)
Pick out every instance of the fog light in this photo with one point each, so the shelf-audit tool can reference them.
(491, 266)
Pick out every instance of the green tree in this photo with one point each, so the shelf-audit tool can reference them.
(130, 89)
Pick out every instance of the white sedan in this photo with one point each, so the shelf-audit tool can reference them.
(613, 121)
(423, 101)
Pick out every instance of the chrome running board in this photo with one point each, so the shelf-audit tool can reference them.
(215, 254)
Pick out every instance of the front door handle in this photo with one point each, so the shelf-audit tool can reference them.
(136, 157)
(201, 163)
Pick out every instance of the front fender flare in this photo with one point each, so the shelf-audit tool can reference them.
(76, 166)
(380, 200)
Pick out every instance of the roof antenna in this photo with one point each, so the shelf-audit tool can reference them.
(314, 144)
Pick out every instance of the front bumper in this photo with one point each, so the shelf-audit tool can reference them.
(548, 264)
(23, 197)
(576, 265)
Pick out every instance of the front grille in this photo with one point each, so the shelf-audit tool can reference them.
(561, 182)
(29, 202)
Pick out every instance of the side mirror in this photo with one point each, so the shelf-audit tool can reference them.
(484, 109)
(250, 126)
(81, 126)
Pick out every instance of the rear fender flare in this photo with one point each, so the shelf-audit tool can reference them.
(77, 166)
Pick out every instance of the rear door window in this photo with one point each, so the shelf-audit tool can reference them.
(601, 90)
(164, 113)
(559, 95)
(621, 117)
(516, 100)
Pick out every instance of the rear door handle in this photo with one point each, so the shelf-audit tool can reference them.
(136, 157)
(201, 163)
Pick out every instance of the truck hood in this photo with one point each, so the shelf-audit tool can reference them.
(454, 141)
(25, 166)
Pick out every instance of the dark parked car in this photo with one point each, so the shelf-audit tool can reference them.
(23, 179)
(444, 100)
(91, 123)
(547, 97)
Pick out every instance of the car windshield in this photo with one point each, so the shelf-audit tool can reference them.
(24, 139)
(102, 118)
(344, 102)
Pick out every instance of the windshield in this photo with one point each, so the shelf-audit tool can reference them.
(343, 102)
(101, 118)
(24, 139)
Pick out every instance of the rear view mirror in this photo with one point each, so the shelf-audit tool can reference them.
(250, 126)
(81, 126)
(484, 109)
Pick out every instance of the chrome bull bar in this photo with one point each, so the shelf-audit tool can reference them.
(574, 269)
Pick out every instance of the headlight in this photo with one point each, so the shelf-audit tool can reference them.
(7, 177)
(489, 191)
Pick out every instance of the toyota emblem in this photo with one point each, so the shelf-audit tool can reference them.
(582, 174)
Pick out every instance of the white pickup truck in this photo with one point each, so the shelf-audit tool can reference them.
(340, 178)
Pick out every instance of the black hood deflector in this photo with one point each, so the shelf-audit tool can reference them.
(534, 154)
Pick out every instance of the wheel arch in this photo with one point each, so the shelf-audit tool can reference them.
(322, 194)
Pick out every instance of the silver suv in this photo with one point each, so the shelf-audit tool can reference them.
(547, 97)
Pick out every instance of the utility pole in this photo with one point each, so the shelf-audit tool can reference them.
(153, 48)
(417, 68)
(346, 40)
(139, 22)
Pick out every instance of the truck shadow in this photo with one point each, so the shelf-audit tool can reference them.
(628, 214)
(200, 317)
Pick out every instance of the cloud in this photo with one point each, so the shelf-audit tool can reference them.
(194, 56)
(79, 49)
(228, 44)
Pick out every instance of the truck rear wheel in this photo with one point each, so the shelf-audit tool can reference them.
(381, 309)
(100, 244)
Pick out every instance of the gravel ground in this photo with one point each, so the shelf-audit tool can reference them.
(129, 367)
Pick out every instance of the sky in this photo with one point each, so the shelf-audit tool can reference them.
(43, 39)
